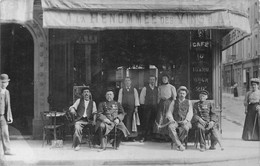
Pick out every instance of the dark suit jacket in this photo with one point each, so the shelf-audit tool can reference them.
(8, 112)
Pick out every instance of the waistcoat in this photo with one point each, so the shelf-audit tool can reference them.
(81, 108)
(180, 110)
(151, 95)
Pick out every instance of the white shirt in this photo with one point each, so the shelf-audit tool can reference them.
(76, 104)
(3, 91)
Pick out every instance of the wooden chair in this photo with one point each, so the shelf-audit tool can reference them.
(87, 132)
(50, 129)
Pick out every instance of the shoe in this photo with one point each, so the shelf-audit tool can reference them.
(102, 150)
(77, 148)
(142, 140)
(212, 148)
(8, 153)
(181, 148)
(203, 149)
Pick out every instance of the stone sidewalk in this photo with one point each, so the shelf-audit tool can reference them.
(30, 152)
(237, 152)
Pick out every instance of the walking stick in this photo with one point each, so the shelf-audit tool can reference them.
(256, 117)
(115, 138)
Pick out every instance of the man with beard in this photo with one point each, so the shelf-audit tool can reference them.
(110, 115)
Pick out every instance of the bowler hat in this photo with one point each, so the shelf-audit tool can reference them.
(255, 80)
(205, 92)
(183, 88)
(4, 78)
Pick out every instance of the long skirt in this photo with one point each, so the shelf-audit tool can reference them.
(252, 124)
(160, 126)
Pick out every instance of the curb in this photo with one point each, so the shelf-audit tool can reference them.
(184, 161)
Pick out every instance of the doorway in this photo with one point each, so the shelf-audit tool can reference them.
(17, 60)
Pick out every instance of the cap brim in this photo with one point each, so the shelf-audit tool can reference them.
(5, 80)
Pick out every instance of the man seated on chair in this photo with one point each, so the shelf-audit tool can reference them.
(85, 111)
(205, 121)
(110, 115)
(179, 115)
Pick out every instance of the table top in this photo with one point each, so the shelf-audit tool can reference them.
(54, 113)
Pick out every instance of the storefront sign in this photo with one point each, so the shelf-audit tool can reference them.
(143, 14)
(87, 39)
(16, 10)
(131, 20)
(200, 63)
(232, 38)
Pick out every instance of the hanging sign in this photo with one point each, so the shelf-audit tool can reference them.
(16, 10)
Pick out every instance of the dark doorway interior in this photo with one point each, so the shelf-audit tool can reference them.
(17, 60)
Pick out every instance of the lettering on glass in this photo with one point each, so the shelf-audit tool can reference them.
(200, 63)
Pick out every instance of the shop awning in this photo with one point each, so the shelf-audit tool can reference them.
(146, 14)
(16, 11)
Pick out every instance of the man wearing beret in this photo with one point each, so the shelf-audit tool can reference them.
(5, 114)
(84, 110)
(179, 115)
(110, 115)
(205, 121)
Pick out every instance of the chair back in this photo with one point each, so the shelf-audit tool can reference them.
(45, 119)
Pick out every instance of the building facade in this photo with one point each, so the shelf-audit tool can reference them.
(241, 61)
(90, 41)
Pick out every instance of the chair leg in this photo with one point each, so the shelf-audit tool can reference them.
(43, 137)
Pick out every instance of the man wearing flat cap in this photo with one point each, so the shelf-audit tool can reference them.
(5, 114)
(110, 115)
(205, 120)
(179, 115)
(84, 110)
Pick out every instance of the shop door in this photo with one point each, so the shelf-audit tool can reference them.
(17, 60)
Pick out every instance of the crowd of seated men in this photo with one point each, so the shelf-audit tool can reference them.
(163, 112)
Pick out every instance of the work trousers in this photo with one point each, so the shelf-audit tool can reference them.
(103, 138)
(214, 135)
(148, 118)
(79, 126)
(4, 136)
(178, 137)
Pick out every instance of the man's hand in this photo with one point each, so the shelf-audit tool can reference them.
(136, 109)
(93, 123)
(245, 110)
(73, 111)
(116, 121)
(107, 121)
(258, 108)
(184, 122)
(210, 125)
(10, 121)
(202, 122)
(170, 118)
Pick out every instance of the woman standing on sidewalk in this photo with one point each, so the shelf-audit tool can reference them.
(252, 110)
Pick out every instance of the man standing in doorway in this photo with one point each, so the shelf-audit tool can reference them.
(128, 97)
(5, 114)
(149, 98)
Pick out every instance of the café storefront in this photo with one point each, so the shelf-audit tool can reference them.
(97, 42)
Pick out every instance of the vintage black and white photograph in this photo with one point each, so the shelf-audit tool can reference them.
(129, 82)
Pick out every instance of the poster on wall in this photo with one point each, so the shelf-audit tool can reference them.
(200, 63)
